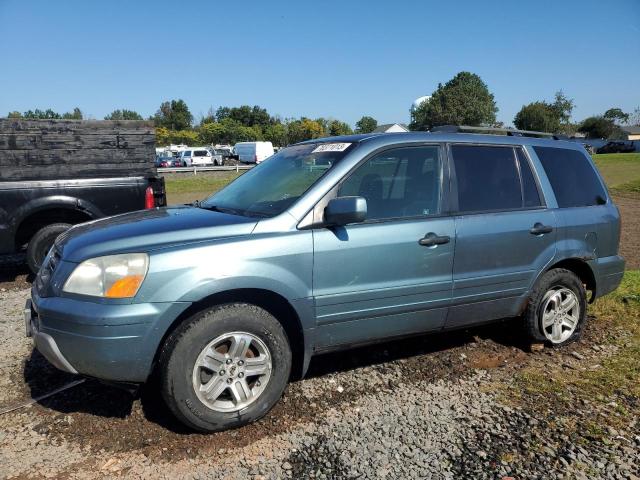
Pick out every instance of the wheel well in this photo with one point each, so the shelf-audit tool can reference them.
(34, 222)
(582, 270)
(275, 304)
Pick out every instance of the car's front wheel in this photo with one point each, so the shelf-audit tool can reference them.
(225, 367)
(557, 309)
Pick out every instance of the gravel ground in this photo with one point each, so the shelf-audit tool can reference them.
(439, 406)
(429, 407)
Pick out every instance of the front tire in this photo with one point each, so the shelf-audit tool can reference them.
(41, 242)
(557, 309)
(225, 367)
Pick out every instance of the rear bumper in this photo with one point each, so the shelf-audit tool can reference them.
(106, 341)
(610, 271)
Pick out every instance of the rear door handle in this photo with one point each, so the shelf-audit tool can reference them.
(431, 240)
(540, 229)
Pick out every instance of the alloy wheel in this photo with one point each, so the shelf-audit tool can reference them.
(232, 371)
(560, 314)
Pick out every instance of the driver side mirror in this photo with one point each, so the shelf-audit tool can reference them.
(344, 210)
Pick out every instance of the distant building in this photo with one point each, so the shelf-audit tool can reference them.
(391, 128)
(632, 133)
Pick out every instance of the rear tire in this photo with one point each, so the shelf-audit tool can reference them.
(41, 242)
(556, 312)
(210, 382)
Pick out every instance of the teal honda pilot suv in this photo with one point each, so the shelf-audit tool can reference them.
(328, 244)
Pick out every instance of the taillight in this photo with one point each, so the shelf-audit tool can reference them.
(149, 201)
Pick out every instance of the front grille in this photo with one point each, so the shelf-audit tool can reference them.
(46, 272)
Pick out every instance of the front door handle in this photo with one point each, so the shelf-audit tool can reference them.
(431, 240)
(540, 229)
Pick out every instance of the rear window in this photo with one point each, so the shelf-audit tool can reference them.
(573, 179)
(200, 153)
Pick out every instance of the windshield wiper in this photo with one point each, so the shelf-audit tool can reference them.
(215, 208)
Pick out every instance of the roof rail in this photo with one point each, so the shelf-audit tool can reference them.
(494, 131)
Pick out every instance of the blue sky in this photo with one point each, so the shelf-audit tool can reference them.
(338, 59)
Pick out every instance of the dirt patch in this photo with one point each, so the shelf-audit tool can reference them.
(630, 238)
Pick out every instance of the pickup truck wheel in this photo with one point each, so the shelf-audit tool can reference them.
(557, 309)
(41, 242)
(225, 367)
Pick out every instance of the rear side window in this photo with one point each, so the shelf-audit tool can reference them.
(487, 178)
(573, 179)
(530, 193)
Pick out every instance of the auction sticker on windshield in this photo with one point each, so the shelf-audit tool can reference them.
(331, 147)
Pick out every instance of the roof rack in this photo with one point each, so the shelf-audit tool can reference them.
(494, 131)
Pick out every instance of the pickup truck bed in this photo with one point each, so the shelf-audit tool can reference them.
(54, 174)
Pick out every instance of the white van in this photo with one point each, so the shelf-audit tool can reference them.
(199, 157)
(253, 152)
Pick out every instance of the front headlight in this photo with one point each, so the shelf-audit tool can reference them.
(114, 276)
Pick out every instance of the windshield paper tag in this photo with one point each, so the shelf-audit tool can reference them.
(331, 147)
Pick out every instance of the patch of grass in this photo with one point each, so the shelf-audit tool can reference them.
(186, 187)
(619, 374)
(619, 169)
(632, 188)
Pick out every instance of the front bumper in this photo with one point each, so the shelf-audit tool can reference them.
(114, 342)
(45, 344)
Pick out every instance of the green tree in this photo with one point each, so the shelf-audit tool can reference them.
(163, 136)
(76, 114)
(36, 114)
(276, 134)
(123, 114)
(187, 137)
(538, 116)
(14, 114)
(212, 133)
(616, 115)
(463, 100)
(547, 117)
(366, 124)
(303, 129)
(562, 106)
(245, 115)
(174, 115)
(336, 128)
(600, 127)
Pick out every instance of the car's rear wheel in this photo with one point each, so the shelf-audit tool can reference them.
(556, 312)
(225, 367)
(41, 242)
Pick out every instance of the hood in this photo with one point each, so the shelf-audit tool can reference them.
(147, 230)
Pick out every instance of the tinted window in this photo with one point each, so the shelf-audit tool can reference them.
(187, 153)
(403, 182)
(572, 177)
(200, 153)
(487, 178)
(529, 186)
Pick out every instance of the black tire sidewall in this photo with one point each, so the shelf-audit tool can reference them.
(557, 277)
(41, 242)
(192, 337)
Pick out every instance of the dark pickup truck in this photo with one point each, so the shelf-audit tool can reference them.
(58, 173)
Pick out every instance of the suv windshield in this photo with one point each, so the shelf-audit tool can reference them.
(271, 187)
